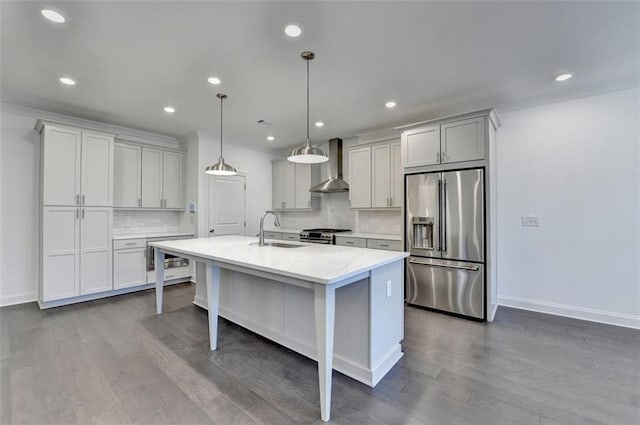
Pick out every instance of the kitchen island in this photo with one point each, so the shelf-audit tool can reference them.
(295, 296)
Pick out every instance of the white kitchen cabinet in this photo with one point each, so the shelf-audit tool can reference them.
(360, 177)
(291, 184)
(162, 179)
(375, 176)
(421, 146)
(302, 184)
(447, 142)
(76, 251)
(60, 277)
(127, 175)
(77, 166)
(151, 178)
(129, 267)
(463, 140)
(396, 185)
(380, 175)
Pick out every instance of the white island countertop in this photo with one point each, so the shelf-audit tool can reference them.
(325, 264)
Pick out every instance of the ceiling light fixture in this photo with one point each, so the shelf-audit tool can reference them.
(169, 109)
(308, 154)
(271, 138)
(53, 16)
(564, 77)
(214, 80)
(67, 81)
(292, 30)
(390, 104)
(319, 124)
(221, 168)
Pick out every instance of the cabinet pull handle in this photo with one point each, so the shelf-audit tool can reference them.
(390, 202)
(77, 199)
(130, 243)
(82, 212)
(77, 212)
(384, 244)
(139, 202)
(350, 243)
(438, 156)
(82, 199)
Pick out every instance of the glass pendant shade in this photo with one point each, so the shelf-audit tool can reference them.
(307, 153)
(221, 168)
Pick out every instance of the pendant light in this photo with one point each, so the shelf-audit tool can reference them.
(221, 168)
(307, 153)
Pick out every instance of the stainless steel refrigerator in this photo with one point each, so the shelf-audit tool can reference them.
(445, 234)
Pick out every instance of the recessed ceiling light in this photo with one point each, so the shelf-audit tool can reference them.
(213, 80)
(271, 138)
(319, 123)
(53, 16)
(169, 109)
(564, 77)
(390, 104)
(67, 81)
(292, 30)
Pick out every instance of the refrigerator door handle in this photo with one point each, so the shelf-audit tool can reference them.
(446, 266)
(443, 220)
(439, 221)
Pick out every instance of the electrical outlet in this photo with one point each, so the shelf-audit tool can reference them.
(530, 221)
(388, 289)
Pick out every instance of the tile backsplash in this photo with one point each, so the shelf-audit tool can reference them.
(335, 212)
(138, 221)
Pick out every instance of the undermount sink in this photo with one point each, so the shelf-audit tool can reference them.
(279, 244)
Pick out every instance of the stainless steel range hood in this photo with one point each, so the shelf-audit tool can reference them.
(334, 166)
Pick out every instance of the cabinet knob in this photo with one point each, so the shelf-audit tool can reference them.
(212, 230)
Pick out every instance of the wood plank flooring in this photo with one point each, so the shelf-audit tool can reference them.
(113, 361)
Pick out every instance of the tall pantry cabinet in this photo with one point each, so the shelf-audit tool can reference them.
(77, 211)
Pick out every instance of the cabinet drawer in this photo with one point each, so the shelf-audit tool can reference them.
(383, 244)
(290, 237)
(345, 241)
(272, 235)
(129, 243)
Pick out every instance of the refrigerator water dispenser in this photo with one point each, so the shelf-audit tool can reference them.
(422, 232)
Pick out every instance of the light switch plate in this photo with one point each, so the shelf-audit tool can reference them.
(530, 221)
(193, 207)
(388, 289)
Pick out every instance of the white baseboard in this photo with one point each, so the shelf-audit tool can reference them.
(25, 297)
(592, 315)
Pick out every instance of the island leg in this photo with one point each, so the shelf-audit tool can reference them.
(213, 297)
(324, 304)
(159, 265)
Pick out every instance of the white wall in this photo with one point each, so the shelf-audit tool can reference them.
(576, 164)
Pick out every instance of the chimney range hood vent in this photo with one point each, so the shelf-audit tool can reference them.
(334, 166)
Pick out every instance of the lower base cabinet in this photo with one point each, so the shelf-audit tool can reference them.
(129, 267)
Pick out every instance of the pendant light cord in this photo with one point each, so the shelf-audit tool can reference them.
(307, 102)
(221, 99)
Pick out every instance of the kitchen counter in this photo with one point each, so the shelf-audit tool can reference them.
(370, 236)
(341, 306)
(149, 235)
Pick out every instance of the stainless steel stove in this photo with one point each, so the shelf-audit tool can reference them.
(325, 236)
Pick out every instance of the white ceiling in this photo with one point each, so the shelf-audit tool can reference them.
(132, 58)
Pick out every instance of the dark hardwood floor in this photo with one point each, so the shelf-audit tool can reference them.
(113, 361)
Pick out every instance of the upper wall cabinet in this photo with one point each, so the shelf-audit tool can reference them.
(77, 166)
(375, 176)
(450, 142)
(148, 177)
(291, 184)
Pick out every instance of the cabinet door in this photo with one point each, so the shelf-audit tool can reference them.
(278, 185)
(288, 187)
(151, 178)
(172, 178)
(380, 176)
(302, 185)
(421, 147)
(126, 176)
(360, 178)
(61, 166)
(129, 268)
(96, 184)
(95, 250)
(60, 253)
(463, 140)
(396, 176)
